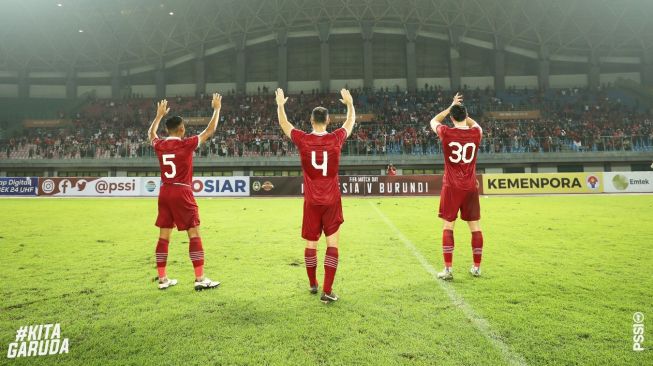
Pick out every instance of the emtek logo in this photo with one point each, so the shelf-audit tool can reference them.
(621, 182)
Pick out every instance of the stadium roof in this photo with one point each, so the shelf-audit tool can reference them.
(94, 35)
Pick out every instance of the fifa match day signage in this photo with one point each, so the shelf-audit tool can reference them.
(355, 185)
(203, 186)
(383, 185)
(89, 187)
(18, 186)
(628, 182)
(542, 183)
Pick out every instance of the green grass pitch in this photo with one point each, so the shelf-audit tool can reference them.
(562, 277)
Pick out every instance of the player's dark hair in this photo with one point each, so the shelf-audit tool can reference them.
(173, 123)
(319, 115)
(458, 113)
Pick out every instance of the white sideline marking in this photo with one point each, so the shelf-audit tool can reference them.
(479, 322)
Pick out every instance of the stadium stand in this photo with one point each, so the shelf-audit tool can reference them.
(571, 120)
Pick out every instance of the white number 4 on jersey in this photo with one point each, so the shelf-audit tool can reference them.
(322, 166)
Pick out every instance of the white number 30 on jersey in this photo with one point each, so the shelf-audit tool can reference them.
(322, 166)
(462, 152)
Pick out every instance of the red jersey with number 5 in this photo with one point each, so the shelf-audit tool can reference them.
(320, 156)
(460, 148)
(176, 158)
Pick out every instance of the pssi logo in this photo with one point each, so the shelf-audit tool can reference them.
(592, 182)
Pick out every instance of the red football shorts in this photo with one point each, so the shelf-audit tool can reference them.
(453, 200)
(318, 218)
(177, 207)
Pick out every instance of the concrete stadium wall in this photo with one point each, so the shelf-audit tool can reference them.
(219, 87)
(305, 86)
(100, 91)
(47, 91)
(444, 83)
(180, 90)
(568, 81)
(529, 81)
(8, 90)
(147, 91)
(613, 77)
(481, 82)
(252, 87)
(390, 84)
(488, 163)
(336, 85)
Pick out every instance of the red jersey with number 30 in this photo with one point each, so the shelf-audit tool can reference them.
(320, 155)
(460, 147)
(176, 158)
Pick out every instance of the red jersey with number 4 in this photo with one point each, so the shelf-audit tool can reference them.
(176, 158)
(320, 156)
(460, 147)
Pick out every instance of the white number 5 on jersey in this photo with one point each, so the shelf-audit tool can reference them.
(322, 166)
(462, 153)
(167, 160)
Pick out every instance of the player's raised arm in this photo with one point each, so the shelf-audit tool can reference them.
(437, 120)
(351, 112)
(161, 110)
(281, 112)
(472, 123)
(216, 103)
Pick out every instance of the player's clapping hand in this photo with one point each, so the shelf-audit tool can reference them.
(162, 108)
(216, 103)
(346, 97)
(457, 99)
(281, 99)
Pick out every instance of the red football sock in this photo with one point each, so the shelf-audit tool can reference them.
(310, 259)
(161, 257)
(477, 247)
(330, 267)
(196, 253)
(447, 247)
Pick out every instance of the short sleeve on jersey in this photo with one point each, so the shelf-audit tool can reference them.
(341, 135)
(296, 136)
(480, 131)
(440, 130)
(192, 142)
(156, 141)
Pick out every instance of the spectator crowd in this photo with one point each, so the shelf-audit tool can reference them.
(571, 120)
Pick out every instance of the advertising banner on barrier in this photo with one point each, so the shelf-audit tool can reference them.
(203, 186)
(276, 186)
(534, 183)
(89, 187)
(356, 185)
(627, 182)
(384, 185)
(18, 186)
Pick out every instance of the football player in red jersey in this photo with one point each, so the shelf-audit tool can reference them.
(459, 185)
(177, 206)
(320, 158)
